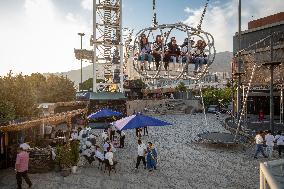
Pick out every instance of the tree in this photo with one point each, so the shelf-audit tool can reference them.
(7, 109)
(213, 96)
(17, 91)
(137, 84)
(181, 87)
(136, 87)
(20, 95)
(88, 84)
(38, 83)
(59, 89)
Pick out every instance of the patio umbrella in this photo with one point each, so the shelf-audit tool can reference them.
(137, 121)
(104, 113)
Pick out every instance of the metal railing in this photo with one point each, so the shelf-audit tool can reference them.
(269, 173)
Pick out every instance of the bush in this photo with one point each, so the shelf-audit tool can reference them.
(75, 152)
(64, 156)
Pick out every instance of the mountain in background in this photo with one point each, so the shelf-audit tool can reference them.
(222, 63)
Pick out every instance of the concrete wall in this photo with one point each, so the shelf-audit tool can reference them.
(139, 105)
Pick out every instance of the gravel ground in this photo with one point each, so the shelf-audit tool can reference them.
(182, 162)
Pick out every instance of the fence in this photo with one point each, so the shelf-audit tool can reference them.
(271, 174)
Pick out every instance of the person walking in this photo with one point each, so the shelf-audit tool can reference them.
(151, 157)
(259, 145)
(112, 133)
(138, 132)
(280, 142)
(141, 149)
(146, 131)
(269, 141)
(121, 139)
(21, 168)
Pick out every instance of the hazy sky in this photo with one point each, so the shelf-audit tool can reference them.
(40, 35)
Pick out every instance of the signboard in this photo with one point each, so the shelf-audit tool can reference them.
(83, 54)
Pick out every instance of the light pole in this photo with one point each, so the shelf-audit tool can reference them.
(239, 62)
(95, 46)
(80, 86)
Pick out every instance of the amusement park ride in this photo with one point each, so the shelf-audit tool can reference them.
(110, 42)
(114, 48)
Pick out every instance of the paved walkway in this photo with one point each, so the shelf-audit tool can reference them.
(182, 163)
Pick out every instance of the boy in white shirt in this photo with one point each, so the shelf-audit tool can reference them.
(269, 141)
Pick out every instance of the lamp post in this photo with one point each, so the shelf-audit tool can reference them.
(239, 62)
(80, 86)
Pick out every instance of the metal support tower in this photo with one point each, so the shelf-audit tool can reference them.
(107, 43)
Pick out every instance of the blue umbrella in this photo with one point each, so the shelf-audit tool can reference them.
(137, 121)
(104, 113)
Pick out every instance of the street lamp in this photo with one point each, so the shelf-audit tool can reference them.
(80, 86)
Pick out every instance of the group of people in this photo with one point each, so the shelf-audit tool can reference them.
(265, 143)
(150, 152)
(138, 131)
(91, 149)
(188, 52)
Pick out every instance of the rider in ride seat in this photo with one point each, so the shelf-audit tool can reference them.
(145, 52)
(199, 57)
(157, 50)
(172, 52)
(186, 52)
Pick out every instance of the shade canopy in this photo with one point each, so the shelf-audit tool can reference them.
(137, 121)
(104, 113)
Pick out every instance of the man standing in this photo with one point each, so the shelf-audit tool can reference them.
(141, 154)
(21, 168)
(122, 138)
(112, 133)
(146, 131)
(259, 145)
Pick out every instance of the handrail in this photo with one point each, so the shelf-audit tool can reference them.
(266, 176)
